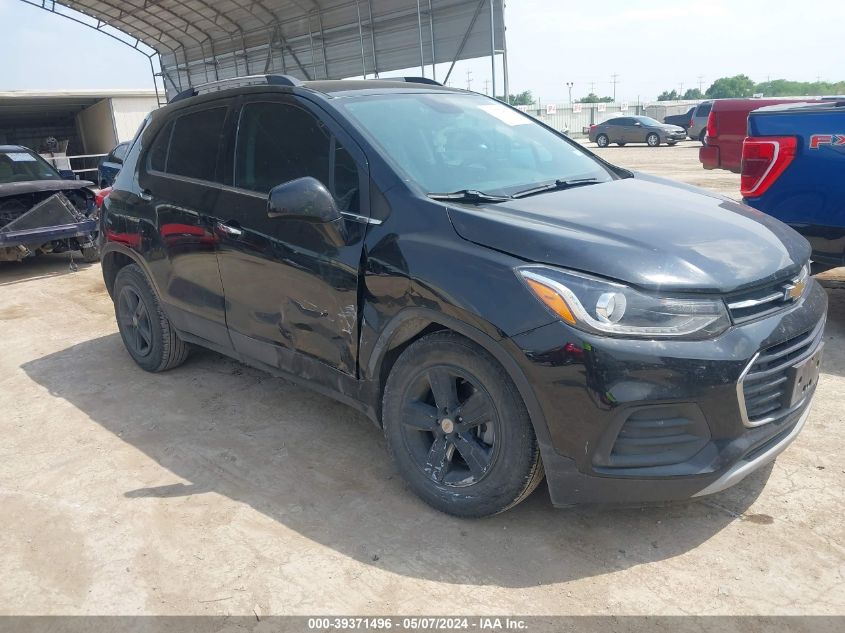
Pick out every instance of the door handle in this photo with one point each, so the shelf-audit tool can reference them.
(146, 195)
(228, 229)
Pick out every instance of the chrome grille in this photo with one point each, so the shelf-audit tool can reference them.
(764, 389)
(761, 302)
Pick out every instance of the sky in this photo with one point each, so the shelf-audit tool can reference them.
(651, 46)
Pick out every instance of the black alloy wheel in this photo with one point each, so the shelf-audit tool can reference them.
(458, 429)
(135, 323)
(449, 427)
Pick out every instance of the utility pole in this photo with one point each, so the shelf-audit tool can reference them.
(592, 87)
(469, 80)
(701, 84)
(614, 80)
(681, 93)
(569, 85)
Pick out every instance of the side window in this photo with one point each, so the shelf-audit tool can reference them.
(704, 109)
(157, 156)
(279, 142)
(195, 143)
(119, 152)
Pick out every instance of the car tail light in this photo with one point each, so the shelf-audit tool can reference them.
(711, 124)
(102, 194)
(764, 159)
(692, 122)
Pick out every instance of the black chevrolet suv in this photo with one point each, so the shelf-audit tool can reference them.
(503, 303)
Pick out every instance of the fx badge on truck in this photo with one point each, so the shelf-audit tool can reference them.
(817, 140)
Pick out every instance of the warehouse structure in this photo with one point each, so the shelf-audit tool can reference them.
(191, 42)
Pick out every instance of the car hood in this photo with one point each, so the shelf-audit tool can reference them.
(33, 186)
(649, 232)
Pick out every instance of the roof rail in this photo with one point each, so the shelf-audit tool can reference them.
(236, 82)
(414, 80)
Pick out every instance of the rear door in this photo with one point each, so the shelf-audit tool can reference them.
(291, 290)
(180, 185)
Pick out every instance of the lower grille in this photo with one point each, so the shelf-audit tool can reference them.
(766, 387)
(658, 436)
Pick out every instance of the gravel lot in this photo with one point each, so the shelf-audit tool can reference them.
(216, 489)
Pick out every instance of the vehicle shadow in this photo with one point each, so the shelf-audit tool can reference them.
(322, 469)
(41, 267)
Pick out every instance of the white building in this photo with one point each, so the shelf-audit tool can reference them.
(91, 121)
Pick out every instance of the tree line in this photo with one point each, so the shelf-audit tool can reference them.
(743, 86)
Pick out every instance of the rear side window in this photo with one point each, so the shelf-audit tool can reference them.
(278, 143)
(119, 152)
(157, 157)
(189, 145)
(195, 143)
(704, 109)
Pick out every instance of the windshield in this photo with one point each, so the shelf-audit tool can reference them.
(23, 166)
(455, 142)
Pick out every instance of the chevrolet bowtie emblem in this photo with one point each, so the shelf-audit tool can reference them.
(794, 291)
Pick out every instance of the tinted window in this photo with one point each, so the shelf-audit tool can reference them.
(119, 152)
(23, 165)
(704, 109)
(615, 122)
(157, 158)
(195, 143)
(279, 142)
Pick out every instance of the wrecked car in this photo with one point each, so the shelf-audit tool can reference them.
(41, 211)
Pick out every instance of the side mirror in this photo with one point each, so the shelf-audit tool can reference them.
(302, 199)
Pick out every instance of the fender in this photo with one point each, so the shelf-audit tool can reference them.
(501, 349)
(107, 248)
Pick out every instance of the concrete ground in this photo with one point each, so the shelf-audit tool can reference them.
(216, 489)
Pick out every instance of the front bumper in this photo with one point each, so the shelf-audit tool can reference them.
(640, 421)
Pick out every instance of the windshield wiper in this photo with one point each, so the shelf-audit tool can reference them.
(557, 185)
(468, 195)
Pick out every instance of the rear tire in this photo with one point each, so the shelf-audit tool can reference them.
(458, 429)
(621, 144)
(652, 140)
(146, 331)
(602, 140)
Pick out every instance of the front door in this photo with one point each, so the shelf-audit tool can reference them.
(291, 291)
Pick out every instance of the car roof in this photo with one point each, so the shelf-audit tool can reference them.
(14, 148)
(805, 105)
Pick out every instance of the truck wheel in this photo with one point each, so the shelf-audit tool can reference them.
(621, 144)
(90, 254)
(146, 331)
(652, 140)
(457, 428)
(602, 140)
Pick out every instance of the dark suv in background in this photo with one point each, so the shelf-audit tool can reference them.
(501, 301)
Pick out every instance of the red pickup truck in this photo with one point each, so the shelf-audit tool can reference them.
(727, 128)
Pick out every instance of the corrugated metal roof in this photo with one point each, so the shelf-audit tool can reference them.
(204, 40)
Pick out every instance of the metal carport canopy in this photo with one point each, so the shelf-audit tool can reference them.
(204, 40)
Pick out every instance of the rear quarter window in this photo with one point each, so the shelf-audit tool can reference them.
(195, 143)
(704, 109)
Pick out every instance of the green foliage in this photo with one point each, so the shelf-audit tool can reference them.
(594, 98)
(736, 86)
(525, 98)
(668, 96)
(692, 94)
(786, 88)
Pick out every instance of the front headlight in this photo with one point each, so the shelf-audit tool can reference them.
(609, 308)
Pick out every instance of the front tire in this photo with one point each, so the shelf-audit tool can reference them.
(458, 429)
(146, 331)
(652, 140)
(602, 140)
